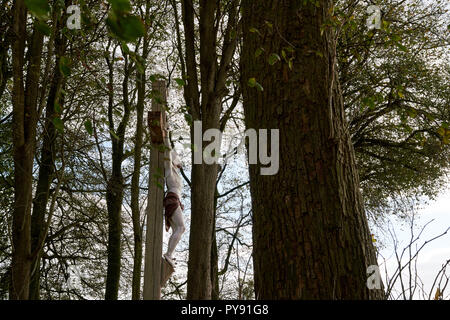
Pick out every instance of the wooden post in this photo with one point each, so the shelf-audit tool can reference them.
(154, 234)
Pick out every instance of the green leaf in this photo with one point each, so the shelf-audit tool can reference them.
(254, 30)
(429, 116)
(412, 113)
(117, 113)
(258, 52)
(57, 107)
(188, 118)
(58, 123)
(125, 48)
(283, 54)
(254, 84)
(274, 58)
(88, 126)
(120, 5)
(132, 28)
(64, 66)
(43, 28)
(401, 47)
(180, 82)
(39, 8)
(369, 101)
(290, 63)
(114, 135)
(289, 49)
(127, 28)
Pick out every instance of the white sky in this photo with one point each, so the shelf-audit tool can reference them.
(433, 255)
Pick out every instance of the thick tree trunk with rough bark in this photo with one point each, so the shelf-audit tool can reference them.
(310, 234)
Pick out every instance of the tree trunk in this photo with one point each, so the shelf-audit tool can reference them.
(136, 213)
(5, 73)
(24, 134)
(203, 175)
(115, 188)
(46, 168)
(202, 215)
(208, 110)
(135, 210)
(214, 255)
(114, 197)
(310, 234)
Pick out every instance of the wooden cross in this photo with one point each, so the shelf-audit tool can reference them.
(157, 270)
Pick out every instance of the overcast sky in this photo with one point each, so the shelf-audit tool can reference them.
(434, 254)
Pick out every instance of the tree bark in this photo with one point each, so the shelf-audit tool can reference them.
(24, 133)
(46, 168)
(310, 234)
(135, 210)
(115, 188)
(202, 214)
(214, 256)
(212, 82)
(114, 197)
(141, 83)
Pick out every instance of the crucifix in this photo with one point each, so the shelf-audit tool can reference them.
(157, 270)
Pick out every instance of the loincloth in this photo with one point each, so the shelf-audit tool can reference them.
(171, 202)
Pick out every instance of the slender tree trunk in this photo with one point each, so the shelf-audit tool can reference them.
(24, 134)
(136, 213)
(214, 266)
(214, 256)
(5, 73)
(202, 215)
(5, 45)
(115, 188)
(135, 210)
(208, 110)
(114, 197)
(203, 176)
(310, 234)
(46, 168)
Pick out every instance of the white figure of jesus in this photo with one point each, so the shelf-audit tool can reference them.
(172, 201)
